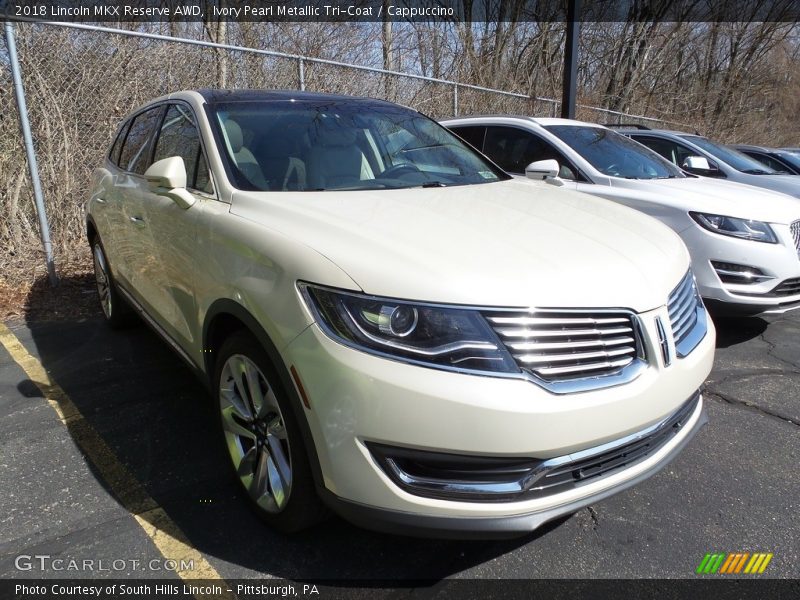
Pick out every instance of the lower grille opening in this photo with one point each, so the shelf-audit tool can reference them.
(788, 287)
(628, 454)
(499, 479)
(440, 475)
(738, 274)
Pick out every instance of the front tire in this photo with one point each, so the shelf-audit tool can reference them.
(262, 438)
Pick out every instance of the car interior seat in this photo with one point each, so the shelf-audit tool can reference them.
(242, 156)
(280, 164)
(335, 159)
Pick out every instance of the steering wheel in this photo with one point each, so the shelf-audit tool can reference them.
(398, 170)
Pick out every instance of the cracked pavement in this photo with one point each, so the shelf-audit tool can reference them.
(734, 487)
(762, 373)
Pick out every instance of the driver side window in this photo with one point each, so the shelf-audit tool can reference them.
(514, 149)
(672, 151)
(179, 137)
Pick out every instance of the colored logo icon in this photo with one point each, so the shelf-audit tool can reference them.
(734, 563)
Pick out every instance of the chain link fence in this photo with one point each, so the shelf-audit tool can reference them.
(79, 83)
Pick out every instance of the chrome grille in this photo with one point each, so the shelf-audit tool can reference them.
(682, 307)
(559, 345)
(795, 227)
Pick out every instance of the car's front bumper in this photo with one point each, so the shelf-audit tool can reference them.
(504, 526)
(779, 264)
(356, 398)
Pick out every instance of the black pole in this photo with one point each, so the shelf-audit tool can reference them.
(569, 81)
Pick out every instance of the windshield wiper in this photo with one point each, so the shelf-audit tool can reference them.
(411, 149)
(756, 172)
(432, 184)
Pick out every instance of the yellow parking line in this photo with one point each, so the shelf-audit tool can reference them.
(165, 534)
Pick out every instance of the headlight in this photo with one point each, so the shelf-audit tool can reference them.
(745, 229)
(432, 335)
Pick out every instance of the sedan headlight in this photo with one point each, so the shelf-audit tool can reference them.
(431, 335)
(744, 229)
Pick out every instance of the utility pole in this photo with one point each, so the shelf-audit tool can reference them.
(569, 79)
(25, 127)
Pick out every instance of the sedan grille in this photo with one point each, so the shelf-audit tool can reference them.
(559, 345)
(682, 305)
(795, 227)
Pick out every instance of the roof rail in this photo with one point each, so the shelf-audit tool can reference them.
(626, 126)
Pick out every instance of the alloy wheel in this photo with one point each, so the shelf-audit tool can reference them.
(255, 434)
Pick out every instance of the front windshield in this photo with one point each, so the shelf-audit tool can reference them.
(318, 145)
(614, 154)
(738, 160)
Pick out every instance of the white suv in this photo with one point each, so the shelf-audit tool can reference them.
(744, 241)
(389, 324)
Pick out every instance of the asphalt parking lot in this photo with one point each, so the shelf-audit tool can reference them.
(734, 488)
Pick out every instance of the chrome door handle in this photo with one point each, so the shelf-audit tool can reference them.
(100, 200)
(138, 221)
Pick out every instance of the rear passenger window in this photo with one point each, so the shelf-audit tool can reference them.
(179, 137)
(135, 155)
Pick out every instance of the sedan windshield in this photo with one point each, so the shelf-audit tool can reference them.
(614, 154)
(318, 145)
(738, 160)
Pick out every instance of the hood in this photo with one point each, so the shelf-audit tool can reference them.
(717, 197)
(498, 244)
(787, 184)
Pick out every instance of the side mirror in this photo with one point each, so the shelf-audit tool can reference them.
(167, 177)
(696, 162)
(542, 169)
(700, 165)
